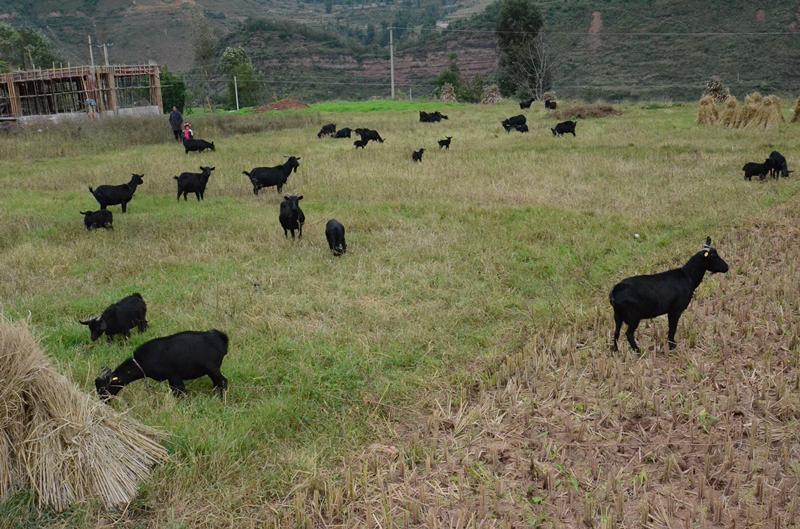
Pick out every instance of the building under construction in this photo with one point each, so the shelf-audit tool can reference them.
(80, 91)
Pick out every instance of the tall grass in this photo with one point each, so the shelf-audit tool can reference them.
(448, 262)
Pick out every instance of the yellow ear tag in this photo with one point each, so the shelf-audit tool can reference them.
(115, 379)
(705, 254)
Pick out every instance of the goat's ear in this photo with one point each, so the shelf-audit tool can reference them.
(708, 241)
(298, 158)
(286, 197)
(85, 322)
(300, 197)
(105, 374)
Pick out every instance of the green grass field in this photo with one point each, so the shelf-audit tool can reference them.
(447, 261)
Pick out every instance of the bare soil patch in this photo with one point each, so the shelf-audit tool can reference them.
(283, 104)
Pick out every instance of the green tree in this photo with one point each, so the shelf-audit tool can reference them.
(450, 75)
(19, 45)
(236, 63)
(518, 24)
(173, 90)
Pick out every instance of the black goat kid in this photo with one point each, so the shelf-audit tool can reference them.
(291, 216)
(194, 183)
(644, 297)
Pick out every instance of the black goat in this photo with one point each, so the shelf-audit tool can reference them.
(291, 216)
(521, 128)
(550, 104)
(111, 195)
(98, 219)
(360, 143)
(513, 122)
(565, 127)
(432, 117)
(416, 156)
(445, 143)
(761, 170)
(262, 177)
(644, 297)
(526, 103)
(343, 133)
(327, 130)
(369, 135)
(119, 318)
(194, 183)
(334, 232)
(183, 356)
(778, 166)
(197, 145)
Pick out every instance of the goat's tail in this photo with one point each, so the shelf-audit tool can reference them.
(175, 177)
(86, 212)
(246, 174)
(91, 190)
(222, 336)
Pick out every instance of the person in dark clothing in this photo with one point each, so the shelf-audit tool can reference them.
(175, 121)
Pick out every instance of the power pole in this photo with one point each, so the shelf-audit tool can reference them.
(91, 53)
(30, 57)
(236, 91)
(105, 52)
(391, 58)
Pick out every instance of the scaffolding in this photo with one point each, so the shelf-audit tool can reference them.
(80, 90)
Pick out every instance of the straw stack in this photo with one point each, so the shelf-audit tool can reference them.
(752, 103)
(65, 445)
(796, 117)
(729, 116)
(707, 113)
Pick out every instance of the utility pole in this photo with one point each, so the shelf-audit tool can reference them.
(236, 91)
(391, 58)
(105, 52)
(30, 57)
(91, 53)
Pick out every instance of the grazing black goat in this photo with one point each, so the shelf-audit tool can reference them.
(334, 232)
(262, 177)
(445, 143)
(565, 127)
(369, 135)
(98, 219)
(513, 122)
(194, 183)
(432, 117)
(778, 165)
(416, 156)
(644, 297)
(111, 195)
(343, 133)
(761, 170)
(360, 143)
(291, 216)
(183, 356)
(522, 128)
(327, 130)
(550, 104)
(119, 318)
(197, 145)
(526, 103)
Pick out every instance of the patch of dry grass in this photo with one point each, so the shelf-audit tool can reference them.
(561, 433)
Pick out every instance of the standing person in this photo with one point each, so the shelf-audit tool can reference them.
(175, 121)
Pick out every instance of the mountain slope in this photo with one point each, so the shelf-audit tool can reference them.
(602, 49)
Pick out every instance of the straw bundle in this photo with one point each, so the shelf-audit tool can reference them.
(729, 116)
(796, 117)
(752, 102)
(448, 93)
(767, 114)
(63, 444)
(707, 113)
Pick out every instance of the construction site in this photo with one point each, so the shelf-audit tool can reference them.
(80, 92)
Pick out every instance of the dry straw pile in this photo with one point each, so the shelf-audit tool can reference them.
(66, 446)
(707, 114)
(448, 93)
(796, 117)
(757, 112)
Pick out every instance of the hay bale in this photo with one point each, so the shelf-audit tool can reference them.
(66, 446)
(716, 88)
(491, 95)
(448, 93)
(796, 117)
(707, 114)
(729, 116)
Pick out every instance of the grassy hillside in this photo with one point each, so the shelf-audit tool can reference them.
(485, 254)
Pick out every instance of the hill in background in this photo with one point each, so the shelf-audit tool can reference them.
(609, 49)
